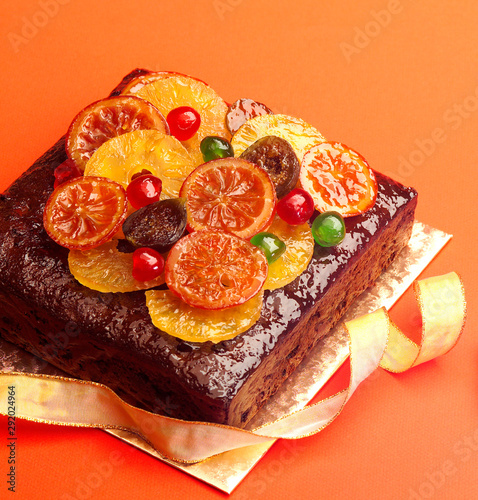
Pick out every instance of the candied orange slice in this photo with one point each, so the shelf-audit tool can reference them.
(106, 269)
(213, 269)
(108, 118)
(170, 93)
(299, 134)
(294, 261)
(338, 178)
(122, 157)
(140, 81)
(230, 194)
(170, 314)
(85, 212)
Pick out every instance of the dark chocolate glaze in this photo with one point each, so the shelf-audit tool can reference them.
(34, 272)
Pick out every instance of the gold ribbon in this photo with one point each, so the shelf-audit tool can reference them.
(374, 341)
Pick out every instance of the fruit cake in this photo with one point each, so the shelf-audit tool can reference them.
(211, 347)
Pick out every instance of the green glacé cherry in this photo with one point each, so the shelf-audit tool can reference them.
(213, 147)
(328, 229)
(272, 246)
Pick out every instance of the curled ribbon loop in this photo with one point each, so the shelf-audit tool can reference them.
(443, 309)
(373, 340)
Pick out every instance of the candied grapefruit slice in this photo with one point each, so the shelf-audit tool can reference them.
(140, 81)
(106, 269)
(230, 194)
(299, 134)
(213, 269)
(338, 178)
(85, 212)
(170, 314)
(293, 262)
(122, 157)
(108, 118)
(170, 93)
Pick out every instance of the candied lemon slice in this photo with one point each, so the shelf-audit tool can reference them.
(163, 155)
(170, 314)
(175, 91)
(298, 133)
(293, 262)
(106, 269)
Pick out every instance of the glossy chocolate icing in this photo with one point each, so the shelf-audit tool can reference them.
(114, 341)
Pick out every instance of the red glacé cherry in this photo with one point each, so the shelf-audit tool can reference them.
(148, 264)
(66, 171)
(143, 190)
(183, 122)
(296, 207)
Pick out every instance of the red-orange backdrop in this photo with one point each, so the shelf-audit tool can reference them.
(394, 79)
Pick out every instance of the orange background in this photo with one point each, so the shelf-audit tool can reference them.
(397, 81)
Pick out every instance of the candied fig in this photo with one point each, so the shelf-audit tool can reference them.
(158, 225)
(277, 158)
(242, 110)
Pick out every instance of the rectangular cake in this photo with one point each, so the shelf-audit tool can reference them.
(109, 337)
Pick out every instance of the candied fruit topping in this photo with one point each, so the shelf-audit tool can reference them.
(144, 190)
(106, 269)
(299, 134)
(148, 264)
(65, 172)
(214, 169)
(213, 148)
(213, 269)
(108, 118)
(328, 229)
(170, 314)
(158, 225)
(296, 207)
(293, 262)
(183, 122)
(162, 155)
(338, 179)
(277, 158)
(175, 91)
(242, 110)
(230, 194)
(140, 81)
(272, 246)
(85, 212)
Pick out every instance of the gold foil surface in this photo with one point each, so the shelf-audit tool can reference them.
(227, 470)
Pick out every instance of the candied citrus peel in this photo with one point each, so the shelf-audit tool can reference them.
(298, 133)
(298, 253)
(102, 120)
(338, 178)
(214, 269)
(106, 269)
(172, 92)
(229, 194)
(216, 277)
(85, 212)
(162, 155)
(172, 315)
(132, 87)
